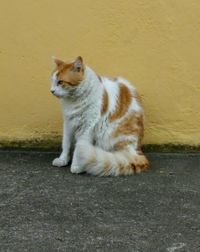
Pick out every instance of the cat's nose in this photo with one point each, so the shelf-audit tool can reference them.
(52, 91)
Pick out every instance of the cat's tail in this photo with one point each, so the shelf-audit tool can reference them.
(98, 162)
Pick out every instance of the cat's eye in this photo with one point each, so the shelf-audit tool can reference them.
(60, 82)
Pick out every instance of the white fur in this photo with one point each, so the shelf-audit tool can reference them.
(113, 92)
(84, 124)
(53, 81)
(136, 107)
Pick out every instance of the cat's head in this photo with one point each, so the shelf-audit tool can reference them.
(66, 76)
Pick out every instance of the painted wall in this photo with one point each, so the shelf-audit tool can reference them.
(155, 44)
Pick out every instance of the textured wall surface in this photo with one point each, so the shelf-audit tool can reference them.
(155, 44)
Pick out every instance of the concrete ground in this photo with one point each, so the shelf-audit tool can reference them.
(43, 208)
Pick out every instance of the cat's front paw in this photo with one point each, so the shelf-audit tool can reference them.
(59, 162)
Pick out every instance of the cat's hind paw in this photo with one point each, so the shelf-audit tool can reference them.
(59, 162)
(76, 169)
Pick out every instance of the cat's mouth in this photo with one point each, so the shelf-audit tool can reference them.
(57, 96)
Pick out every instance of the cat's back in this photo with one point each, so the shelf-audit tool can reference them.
(122, 95)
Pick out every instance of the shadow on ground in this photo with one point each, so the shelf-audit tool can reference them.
(43, 208)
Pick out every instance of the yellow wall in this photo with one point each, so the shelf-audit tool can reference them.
(155, 44)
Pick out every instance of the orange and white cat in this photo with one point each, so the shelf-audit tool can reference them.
(103, 121)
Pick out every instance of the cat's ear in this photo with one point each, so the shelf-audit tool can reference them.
(78, 64)
(57, 62)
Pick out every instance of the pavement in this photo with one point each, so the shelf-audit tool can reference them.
(43, 208)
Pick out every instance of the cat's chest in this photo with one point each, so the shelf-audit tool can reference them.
(80, 117)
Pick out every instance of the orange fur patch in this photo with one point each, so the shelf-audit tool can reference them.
(68, 76)
(121, 145)
(138, 97)
(124, 101)
(132, 125)
(70, 73)
(138, 165)
(105, 103)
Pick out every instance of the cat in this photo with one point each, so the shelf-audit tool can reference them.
(103, 121)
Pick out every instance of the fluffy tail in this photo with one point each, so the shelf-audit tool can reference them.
(96, 161)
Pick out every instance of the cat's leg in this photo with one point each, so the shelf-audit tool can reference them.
(77, 165)
(66, 145)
